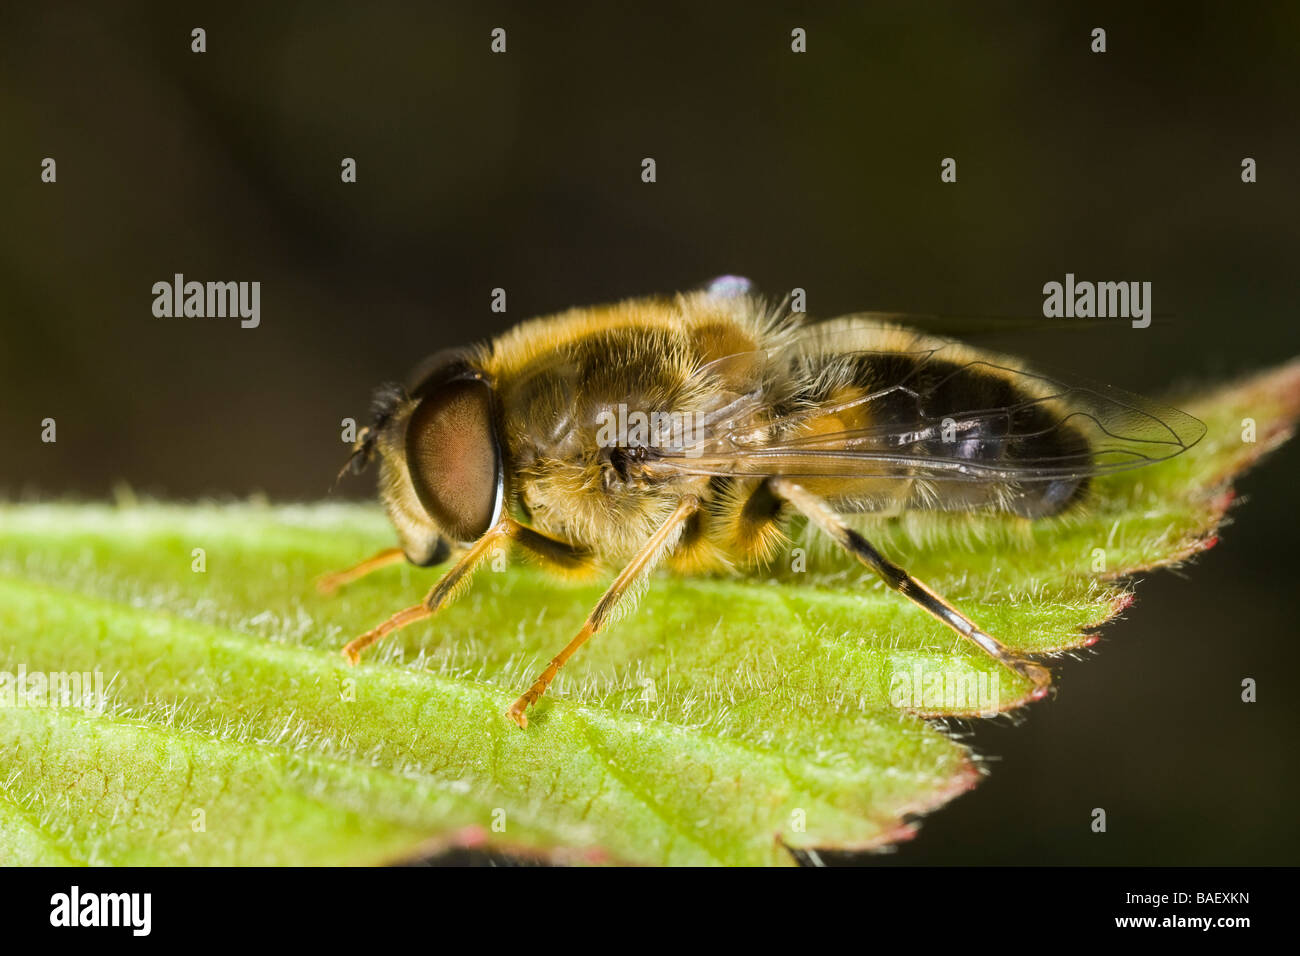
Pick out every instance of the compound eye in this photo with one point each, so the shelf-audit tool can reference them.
(453, 457)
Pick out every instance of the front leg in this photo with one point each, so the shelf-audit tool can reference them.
(450, 586)
(329, 583)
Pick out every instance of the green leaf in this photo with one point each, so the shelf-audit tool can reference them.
(723, 719)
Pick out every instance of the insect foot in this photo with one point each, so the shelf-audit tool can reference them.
(531, 696)
(352, 653)
(328, 584)
(1038, 674)
(516, 712)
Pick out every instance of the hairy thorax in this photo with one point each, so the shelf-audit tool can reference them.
(588, 403)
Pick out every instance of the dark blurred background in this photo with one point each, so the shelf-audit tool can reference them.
(818, 170)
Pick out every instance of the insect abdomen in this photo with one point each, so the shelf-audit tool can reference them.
(975, 411)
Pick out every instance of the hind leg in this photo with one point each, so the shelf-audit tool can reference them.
(821, 514)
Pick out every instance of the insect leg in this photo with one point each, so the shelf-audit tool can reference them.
(442, 593)
(457, 578)
(821, 514)
(651, 553)
(555, 555)
(330, 583)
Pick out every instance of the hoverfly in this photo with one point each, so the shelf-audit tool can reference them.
(689, 431)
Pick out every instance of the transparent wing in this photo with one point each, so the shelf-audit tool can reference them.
(933, 412)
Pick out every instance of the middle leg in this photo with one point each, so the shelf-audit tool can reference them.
(651, 553)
